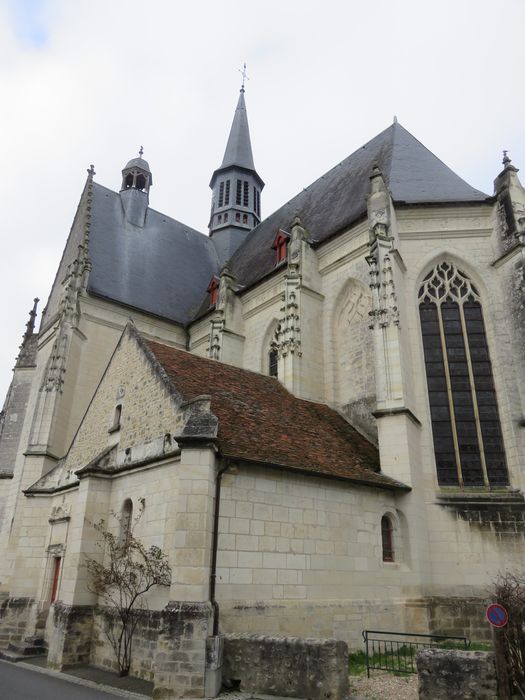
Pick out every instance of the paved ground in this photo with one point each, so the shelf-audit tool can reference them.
(20, 682)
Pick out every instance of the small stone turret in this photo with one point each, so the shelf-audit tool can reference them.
(134, 192)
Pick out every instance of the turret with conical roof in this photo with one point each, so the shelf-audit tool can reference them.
(236, 186)
(134, 193)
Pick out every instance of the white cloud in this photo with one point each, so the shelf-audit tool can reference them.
(324, 78)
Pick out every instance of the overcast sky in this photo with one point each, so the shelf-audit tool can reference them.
(89, 82)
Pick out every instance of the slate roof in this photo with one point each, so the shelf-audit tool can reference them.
(413, 174)
(162, 269)
(239, 149)
(260, 421)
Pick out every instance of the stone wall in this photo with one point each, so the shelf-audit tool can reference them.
(70, 635)
(287, 666)
(459, 617)
(14, 616)
(462, 675)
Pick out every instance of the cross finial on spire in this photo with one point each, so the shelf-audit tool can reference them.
(506, 159)
(244, 76)
(141, 151)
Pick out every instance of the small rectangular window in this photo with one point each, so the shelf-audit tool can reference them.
(239, 192)
(227, 193)
(246, 195)
(221, 194)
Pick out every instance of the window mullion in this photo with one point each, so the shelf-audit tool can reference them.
(474, 397)
(449, 394)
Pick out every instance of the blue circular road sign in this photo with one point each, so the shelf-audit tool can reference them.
(497, 615)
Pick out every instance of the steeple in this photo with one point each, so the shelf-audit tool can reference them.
(236, 187)
(134, 192)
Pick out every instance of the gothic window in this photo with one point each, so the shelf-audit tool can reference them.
(140, 182)
(125, 522)
(129, 181)
(280, 244)
(219, 219)
(258, 203)
(227, 193)
(468, 443)
(255, 200)
(246, 194)
(213, 290)
(226, 217)
(221, 194)
(272, 362)
(387, 538)
(238, 194)
(245, 218)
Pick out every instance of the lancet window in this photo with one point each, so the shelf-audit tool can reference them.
(468, 442)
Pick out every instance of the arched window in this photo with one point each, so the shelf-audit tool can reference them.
(468, 443)
(387, 538)
(273, 362)
(125, 521)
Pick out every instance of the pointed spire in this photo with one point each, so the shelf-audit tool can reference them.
(239, 148)
(30, 325)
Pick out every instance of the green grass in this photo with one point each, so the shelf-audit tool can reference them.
(357, 659)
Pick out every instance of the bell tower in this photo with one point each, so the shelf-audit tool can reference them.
(236, 188)
(134, 192)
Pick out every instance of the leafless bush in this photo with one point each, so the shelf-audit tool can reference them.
(510, 592)
(121, 578)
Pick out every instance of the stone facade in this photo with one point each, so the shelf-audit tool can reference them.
(297, 553)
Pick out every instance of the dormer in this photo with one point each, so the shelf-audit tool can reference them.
(213, 290)
(280, 245)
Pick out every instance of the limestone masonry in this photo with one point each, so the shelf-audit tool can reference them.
(319, 413)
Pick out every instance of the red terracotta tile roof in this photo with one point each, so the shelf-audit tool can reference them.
(259, 420)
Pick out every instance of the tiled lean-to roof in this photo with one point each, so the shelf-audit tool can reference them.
(260, 421)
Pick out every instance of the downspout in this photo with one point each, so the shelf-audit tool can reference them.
(215, 545)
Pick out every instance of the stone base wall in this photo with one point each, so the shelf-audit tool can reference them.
(461, 617)
(180, 662)
(69, 632)
(287, 666)
(15, 615)
(144, 644)
(462, 675)
(343, 620)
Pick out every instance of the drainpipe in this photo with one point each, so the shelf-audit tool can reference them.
(215, 543)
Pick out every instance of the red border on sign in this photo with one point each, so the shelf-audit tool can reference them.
(496, 606)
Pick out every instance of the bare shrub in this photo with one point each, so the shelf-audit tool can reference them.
(510, 592)
(121, 578)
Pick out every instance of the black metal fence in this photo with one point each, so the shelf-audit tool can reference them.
(396, 651)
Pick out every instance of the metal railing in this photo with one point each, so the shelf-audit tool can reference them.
(396, 651)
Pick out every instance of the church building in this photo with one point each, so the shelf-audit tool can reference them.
(319, 413)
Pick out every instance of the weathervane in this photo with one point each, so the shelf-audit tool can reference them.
(141, 151)
(244, 76)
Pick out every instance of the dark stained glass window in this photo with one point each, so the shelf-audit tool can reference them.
(387, 539)
(468, 443)
(272, 362)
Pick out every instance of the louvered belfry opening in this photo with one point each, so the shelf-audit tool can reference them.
(468, 443)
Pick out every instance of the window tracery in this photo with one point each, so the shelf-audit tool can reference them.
(468, 442)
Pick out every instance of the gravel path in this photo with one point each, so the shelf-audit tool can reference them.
(384, 686)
